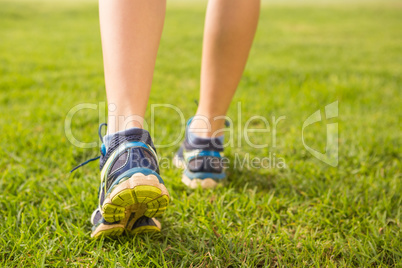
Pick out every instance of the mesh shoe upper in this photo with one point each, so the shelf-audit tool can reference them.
(202, 157)
(133, 134)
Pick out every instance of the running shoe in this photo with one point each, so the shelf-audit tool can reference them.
(201, 160)
(132, 193)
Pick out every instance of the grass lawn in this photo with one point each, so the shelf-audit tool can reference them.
(305, 56)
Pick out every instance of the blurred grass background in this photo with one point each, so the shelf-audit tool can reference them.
(306, 55)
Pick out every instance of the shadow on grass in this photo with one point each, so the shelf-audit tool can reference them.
(263, 180)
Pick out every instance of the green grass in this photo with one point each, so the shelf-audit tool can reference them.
(305, 56)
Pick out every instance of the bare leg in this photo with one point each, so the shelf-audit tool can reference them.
(229, 31)
(131, 31)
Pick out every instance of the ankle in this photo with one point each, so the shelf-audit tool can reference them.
(117, 123)
(207, 127)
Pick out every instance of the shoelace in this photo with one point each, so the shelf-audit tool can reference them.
(103, 149)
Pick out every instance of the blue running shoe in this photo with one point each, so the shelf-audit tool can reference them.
(201, 160)
(132, 193)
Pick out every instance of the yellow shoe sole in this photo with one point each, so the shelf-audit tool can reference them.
(107, 231)
(141, 194)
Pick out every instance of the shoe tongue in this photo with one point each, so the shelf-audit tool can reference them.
(193, 141)
(112, 141)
